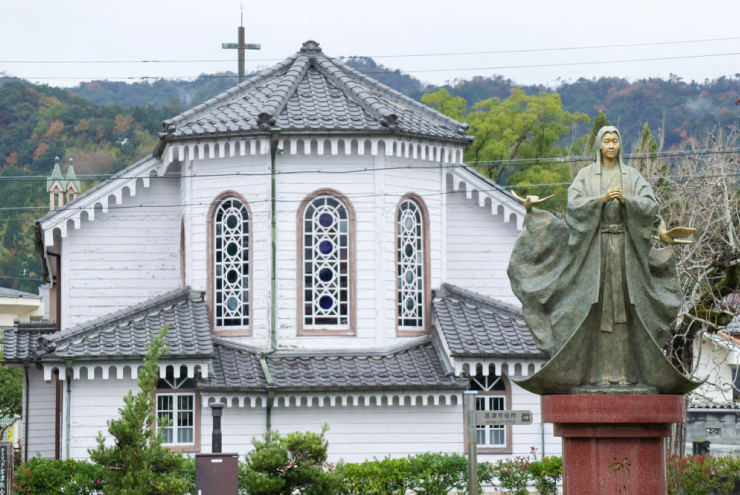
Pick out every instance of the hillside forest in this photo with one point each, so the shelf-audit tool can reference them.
(105, 126)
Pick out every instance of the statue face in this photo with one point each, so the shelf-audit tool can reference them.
(610, 145)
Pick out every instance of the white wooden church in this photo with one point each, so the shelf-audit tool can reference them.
(321, 255)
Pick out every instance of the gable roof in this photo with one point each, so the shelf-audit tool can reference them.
(126, 333)
(416, 365)
(474, 325)
(311, 92)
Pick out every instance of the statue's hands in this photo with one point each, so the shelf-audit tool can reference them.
(530, 201)
(614, 193)
(674, 236)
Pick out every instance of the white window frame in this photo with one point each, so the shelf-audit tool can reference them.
(175, 413)
(229, 263)
(487, 431)
(415, 289)
(341, 254)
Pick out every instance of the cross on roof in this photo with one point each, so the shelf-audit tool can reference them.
(241, 46)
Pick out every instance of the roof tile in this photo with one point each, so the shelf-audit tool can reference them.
(475, 325)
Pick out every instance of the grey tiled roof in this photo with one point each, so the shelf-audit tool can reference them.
(475, 325)
(21, 342)
(5, 292)
(415, 367)
(235, 368)
(127, 333)
(312, 92)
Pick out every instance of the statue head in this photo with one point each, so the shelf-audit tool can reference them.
(604, 131)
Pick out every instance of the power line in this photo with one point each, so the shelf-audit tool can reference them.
(501, 67)
(408, 55)
(301, 196)
(512, 161)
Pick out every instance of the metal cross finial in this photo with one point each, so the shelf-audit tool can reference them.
(241, 46)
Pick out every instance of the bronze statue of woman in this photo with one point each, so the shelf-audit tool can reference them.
(597, 296)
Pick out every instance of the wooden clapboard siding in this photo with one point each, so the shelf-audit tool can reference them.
(239, 426)
(124, 256)
(479, 246)
(255, 189)
(360, 433)
(40, 416)
(94, 401)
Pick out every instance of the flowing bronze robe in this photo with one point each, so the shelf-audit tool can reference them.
(562, 271)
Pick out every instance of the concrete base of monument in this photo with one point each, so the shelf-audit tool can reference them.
(613, 444)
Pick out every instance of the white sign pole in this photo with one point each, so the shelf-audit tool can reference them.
(469, 397)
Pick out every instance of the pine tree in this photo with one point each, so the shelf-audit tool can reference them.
(281, 465)
(137, 463)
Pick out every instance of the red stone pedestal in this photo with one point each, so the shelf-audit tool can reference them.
(613, 444)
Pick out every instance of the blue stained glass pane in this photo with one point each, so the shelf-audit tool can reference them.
(232, 303)
(409, 276)
(326, 247)
(409, 304)
(325, 220)
(326, 302)
(326, 274)
(408, 223)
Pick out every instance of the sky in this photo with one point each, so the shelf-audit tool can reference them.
(128, 32)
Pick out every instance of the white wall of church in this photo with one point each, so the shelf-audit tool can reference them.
(214, 177)
(356, 433)
(94, 402)
(124, 256)
(479, 246)
(129, 255)
(40, 417)
(363, 432)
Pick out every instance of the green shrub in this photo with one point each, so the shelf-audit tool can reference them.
(280, 465)
(700, 475)
(378, 477)
(438, 474)
(512, 475)
(52, 477)
(546, 473)
(425, 474)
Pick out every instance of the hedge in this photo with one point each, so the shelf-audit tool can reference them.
(426, 474)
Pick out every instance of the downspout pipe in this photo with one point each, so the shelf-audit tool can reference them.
(26, 411)
(274, 135)
(270, 392)
(68, 419)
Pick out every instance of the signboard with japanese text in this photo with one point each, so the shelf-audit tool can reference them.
(503, 418)
(6, 466)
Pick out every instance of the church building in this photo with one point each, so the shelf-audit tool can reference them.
(320, 254)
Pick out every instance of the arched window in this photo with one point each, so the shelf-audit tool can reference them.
(412, 288)
(326, 258)
(231, 265)
(493, 395)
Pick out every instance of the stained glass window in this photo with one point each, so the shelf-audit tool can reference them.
(231, 264)
(326, 263)
(410, 266)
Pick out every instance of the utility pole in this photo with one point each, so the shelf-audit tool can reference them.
(241, 46)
